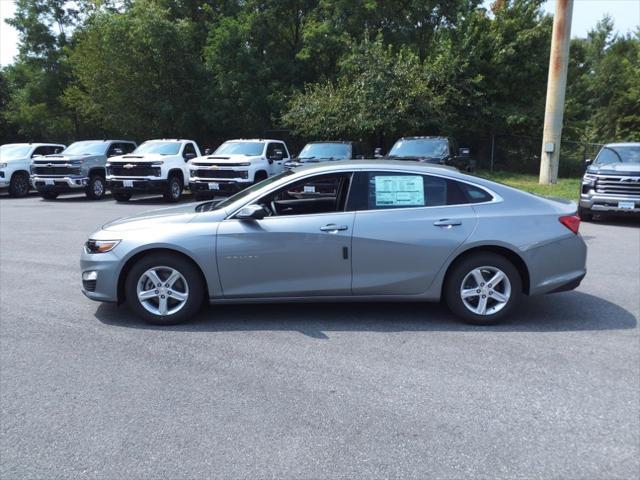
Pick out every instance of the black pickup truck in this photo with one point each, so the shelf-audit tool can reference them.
(436, 150)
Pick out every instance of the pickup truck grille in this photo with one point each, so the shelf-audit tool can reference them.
(611, 185)
(46, 170)
(221, 174)
(137, 170)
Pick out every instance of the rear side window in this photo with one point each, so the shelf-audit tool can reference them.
(388, 190)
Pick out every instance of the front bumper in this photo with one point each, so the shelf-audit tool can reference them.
(107, 267)
(598, 202)
(59, 184)
(139, 185)
(224, 186)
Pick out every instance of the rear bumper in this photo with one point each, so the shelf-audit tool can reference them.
(139, 185)
(608, 203)
(60, 184)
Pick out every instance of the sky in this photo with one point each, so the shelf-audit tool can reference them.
(586, 13)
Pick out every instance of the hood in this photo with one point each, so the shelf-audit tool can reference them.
(434, 160)
(629, 169)
(143, 157)
(59, 158)
(172, 215)
(17, 159)
(226, 158)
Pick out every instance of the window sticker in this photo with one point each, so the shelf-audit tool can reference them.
(309, 189)
(399, 190)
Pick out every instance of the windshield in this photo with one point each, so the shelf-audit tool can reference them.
(14, 150)
(420, 147)
(326, 150)
(250, 149)
(163, 148)
(622, 154)
(208, 206)
(87, 147)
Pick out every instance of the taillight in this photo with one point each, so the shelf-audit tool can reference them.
(572, 222)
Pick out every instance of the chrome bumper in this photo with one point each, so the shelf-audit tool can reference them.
(608, 203)
(69, 182)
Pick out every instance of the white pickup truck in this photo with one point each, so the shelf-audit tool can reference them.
(15, 164)
(235, 165)
(156, 166)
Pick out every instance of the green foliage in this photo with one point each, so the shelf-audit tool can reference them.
(369, 70)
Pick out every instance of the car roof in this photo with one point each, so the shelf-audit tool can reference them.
(331, 141)
(253, 140)
(341, 165)
(424, 137)
(623, 144)
(182, 140)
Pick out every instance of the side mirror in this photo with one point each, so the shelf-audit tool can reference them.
(207, 151)
(251, 212)
(588, 162)
(189, 156)
(464, 152)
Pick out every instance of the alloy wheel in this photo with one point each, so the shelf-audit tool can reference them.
(485, 290)
(162, 291)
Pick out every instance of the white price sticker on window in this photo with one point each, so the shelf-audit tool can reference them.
(399, 190)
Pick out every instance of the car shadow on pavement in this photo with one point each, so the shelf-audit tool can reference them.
(617, 220)
(571, 311)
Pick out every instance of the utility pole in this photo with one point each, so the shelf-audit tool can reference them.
(556, 86)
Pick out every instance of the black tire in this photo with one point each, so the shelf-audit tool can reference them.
(49, 195)
(585, 214)
(121, 196)
(173, 192)
(260, 176)
(189, 272)
(97, 188)
(19, 185)
(460, 270)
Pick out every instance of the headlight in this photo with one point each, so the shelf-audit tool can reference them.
(3, 165)
(589, 179)
(244, 164)
(157, 164)
(100, 246)
(107, 164)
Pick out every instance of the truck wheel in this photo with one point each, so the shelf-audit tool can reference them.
(164, 289)
(585, 214)
(49, 195)
(260, 176)
(19, 184)
(173, 193)
(121, 196)
(96, 188)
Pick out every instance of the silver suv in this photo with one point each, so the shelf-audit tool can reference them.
(80, 167)
(612, 181)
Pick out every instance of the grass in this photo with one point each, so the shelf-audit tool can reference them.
(565, 188)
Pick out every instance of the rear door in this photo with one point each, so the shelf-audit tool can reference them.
(406, 226)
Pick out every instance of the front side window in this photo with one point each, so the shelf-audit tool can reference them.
(318, 194)
(86, 147)
(250, 149)
(274, 148)
(388, 190)
(189, 148)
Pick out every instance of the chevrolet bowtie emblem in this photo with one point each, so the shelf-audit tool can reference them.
(128, 165)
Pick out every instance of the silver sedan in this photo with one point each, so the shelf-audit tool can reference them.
(342, 231)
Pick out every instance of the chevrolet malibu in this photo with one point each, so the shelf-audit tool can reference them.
(340, 231)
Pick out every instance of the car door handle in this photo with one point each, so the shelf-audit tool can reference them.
(445, 222)
(332, 227)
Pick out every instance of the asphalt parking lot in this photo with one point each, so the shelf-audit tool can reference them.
(310, 391)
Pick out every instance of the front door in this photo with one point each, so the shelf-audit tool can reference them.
(301, 249)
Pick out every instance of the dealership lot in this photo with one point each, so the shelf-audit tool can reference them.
(309, 391)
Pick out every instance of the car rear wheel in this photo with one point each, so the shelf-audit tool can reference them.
(96, 189)
(174, 189)
(164, 289)
(121, 196)
(483, 288)
(19, 184)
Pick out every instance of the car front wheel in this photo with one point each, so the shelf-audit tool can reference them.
(164, 289)
(174, 189)
(96, 190)
(483, 288)
(19, 184)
